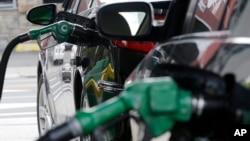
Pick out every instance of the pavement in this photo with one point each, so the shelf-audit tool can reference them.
(20, 72)
(24, 47)
(13, 23)
(19, 132)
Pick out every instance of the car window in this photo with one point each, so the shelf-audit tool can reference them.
(71, 6)
(240, 19)
(84, 5)
(97, 3)
(212, 15)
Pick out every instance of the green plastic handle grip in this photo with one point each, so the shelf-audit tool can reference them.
(159, 101)
(61, 30)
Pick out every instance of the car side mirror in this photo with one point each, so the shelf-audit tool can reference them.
(127, 20)
(42, 15)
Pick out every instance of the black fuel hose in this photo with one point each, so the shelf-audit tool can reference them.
(87, 35)
(6, 54)
(64, 132)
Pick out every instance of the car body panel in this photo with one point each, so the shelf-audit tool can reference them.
(100, 67)
(59, 65)
(59, 91)
(105, 61)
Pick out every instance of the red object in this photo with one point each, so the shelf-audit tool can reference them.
(159, 17)
(144, 47)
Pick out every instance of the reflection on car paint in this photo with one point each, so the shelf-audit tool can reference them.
(92, 78)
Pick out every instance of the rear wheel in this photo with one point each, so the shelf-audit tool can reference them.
(44, 118)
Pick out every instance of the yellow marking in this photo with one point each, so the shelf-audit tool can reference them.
(26, 47)
(97, 91)
(107, 73)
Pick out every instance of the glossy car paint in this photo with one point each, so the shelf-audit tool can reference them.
(67, 89)
(115, 67)
(70, 72)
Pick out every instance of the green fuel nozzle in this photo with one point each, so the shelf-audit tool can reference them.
(62, 30)
(159, 101)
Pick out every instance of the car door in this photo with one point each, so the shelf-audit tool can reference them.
(96, 62)
(57, 72)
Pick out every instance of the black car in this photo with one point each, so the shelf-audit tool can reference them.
(208, 64)
(69, 74)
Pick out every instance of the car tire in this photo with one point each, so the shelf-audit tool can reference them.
(44, 118)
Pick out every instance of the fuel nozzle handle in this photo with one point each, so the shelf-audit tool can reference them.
(62, 30)
(86, 34)
(64, 132)
(159, 101)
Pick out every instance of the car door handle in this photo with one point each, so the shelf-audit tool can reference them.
(110, 87)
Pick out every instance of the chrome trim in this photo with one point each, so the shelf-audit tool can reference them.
(198, 105)
(110, 87)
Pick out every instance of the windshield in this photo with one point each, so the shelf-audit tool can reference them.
(97, 3)
(111, 1)
(221, 56)
(228, 53)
